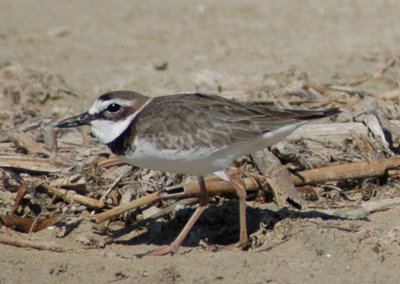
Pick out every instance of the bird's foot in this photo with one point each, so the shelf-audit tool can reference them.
(242, 244)
(170, 249)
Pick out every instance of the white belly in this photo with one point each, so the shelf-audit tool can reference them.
(200, 161)
(196, 161)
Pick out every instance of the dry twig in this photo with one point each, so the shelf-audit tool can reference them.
(23, 189)
(27, 225)
(71, 196)
(30, 244)
(35, 165)
(109, 214)
(278, 178)
(346, 171)
(28, 144)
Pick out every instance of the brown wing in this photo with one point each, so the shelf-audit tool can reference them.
(189, 120)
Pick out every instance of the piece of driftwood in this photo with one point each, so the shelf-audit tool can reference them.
(30, 244)
(390, 129)
(335, 132)
(214, 186)
(71, 196)
(29, 164)
(116, 211)
(27, 224)
(28, 144)
(380, 205)
(278, 178)
(72, 181)
(22, 190)
(372, 122)
(352, 170)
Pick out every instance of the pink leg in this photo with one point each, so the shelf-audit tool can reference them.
(203, 203)
(241, 193)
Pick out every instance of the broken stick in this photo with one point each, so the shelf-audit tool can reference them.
(353, 170)
(278, 178)
(30, 244)
(71, 196)
(27, 143)
(29, 164)
(116, 211)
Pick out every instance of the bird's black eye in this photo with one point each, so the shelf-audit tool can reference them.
(113, 108)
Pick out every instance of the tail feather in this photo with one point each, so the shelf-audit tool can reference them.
(314, 114)
(279, 113)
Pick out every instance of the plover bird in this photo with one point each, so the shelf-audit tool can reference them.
(193, 134)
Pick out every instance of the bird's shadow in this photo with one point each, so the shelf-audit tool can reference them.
(218, 225)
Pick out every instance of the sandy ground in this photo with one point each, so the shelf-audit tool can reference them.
(107, 45)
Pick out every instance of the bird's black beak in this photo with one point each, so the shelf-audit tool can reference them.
(81, 119)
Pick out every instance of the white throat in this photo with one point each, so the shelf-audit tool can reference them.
(107, 131)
